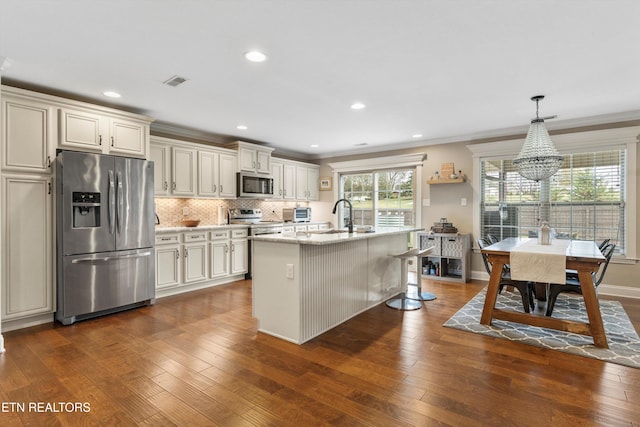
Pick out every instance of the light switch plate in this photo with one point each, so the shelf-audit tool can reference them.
(289, 271)
(463, 201)
(426, 202)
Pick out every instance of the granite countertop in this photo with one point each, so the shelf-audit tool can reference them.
(327, 237)
(162, 230)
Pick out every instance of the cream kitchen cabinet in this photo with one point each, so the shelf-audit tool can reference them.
(216, 174)
(276, 174)
(195, 256)
(239, 251)
(168, 261)
(28, 134)
(284, 182)
(88, 130)
(190, 260)
(160, 154)
(252, 157)
(289, 181)
(219, 250)
(307, 183)
(27, 248)
(183, 171)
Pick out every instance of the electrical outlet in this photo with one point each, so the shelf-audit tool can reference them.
(185, 210)
(463, 201)
(426, 202)
(289, 271)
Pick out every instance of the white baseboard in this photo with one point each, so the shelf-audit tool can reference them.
(603, 289)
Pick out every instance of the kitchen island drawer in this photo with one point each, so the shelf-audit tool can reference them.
(167, 239)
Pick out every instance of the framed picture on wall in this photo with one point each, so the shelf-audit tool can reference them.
(325, 183)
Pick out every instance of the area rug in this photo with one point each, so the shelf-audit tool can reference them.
(624, 344)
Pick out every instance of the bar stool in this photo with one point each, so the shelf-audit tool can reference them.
(410, 302)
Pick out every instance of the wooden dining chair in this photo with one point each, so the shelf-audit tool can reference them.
(526, 289)
(573, 284)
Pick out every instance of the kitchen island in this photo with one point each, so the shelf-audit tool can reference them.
(307, 283)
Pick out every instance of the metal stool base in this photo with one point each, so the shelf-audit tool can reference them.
(422, 296)
(403, 303)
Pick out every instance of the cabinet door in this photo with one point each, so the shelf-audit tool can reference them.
(167, 266)
(263, 162)
(219, 252)
(239, 256)
(276, 174)
(227, 176)
(207, 174)
(27, 252)
(313, 182)
(183, 171)
(248, 161)
(27, 140)
(301, 183)
(81, 130)
(160, 155)
(128, 137)
(289, 181)
(195, 262)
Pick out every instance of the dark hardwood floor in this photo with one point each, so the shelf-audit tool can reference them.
(197, 360)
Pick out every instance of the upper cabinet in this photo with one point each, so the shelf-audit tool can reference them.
(96, 131)
(307, 182)
(252, 157)
(185, 169)
(28, 130)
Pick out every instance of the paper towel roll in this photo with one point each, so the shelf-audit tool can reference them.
(221, 220)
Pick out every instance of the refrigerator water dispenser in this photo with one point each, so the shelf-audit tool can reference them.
(86, 209)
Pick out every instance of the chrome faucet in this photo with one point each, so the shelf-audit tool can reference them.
(350, 223)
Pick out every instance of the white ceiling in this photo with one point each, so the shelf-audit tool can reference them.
(448, 70)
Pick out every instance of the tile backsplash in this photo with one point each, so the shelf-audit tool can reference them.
(171, 211)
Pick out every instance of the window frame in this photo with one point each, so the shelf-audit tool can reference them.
(625, 138)
(378, 164)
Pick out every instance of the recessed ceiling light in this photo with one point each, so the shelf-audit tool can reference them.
(241, 127)
(416, 135)
(255, 56)
(314, 146)
(358, 106)
(111, 94)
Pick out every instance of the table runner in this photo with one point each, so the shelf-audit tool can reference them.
(533, 262)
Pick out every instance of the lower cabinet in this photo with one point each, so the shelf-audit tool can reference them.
(239, 251)
(193, 260)
(27, 247)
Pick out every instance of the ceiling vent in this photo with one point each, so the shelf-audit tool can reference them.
(175, 81)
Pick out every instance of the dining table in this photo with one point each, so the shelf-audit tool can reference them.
(530, 261)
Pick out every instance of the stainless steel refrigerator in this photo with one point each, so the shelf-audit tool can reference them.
(105, 234)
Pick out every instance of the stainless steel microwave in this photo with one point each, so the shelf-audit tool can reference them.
(255, 186)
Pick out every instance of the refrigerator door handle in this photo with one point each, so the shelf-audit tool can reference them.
(120, 193)
(101, 260)
(112, 203)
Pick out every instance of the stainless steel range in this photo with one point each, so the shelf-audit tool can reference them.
(253, 218)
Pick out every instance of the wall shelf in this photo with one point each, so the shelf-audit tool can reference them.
(446, 181)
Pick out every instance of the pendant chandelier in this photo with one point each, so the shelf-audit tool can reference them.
(538, 158)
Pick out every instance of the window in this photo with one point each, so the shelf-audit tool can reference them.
(584, 200)
(380, 198)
